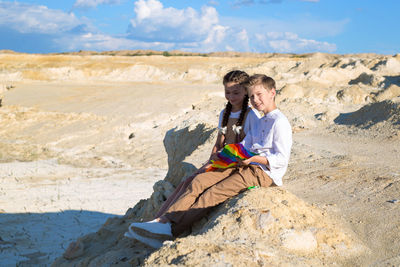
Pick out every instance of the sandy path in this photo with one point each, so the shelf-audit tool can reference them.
(122, 100)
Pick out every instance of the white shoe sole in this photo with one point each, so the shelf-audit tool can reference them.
(152, 230)
(154, 243)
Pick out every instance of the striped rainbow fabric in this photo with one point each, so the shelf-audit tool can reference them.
(229, 156)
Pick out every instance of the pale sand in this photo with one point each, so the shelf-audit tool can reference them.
(67, 163)
(45, 206)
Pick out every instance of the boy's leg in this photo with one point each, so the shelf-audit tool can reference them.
(236, 183)
(199, 184)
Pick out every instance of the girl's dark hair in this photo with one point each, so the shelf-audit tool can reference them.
(239, 77)
(245, 105)
(235, 76)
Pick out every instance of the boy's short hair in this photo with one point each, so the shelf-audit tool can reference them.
(256, 79)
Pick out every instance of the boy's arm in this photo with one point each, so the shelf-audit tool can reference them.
(279, 155)
(258, 159)
(282, 142)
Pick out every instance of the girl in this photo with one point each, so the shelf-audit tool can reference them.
(234, 122)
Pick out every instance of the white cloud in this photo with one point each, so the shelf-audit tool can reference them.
(93, 3)
(185, 29)
(38, 28)
(26, 18)
(302, 25)
(190, 30)
(288, 42)
(154, 22)
(237, 40)
(215, 36)
(103, 42)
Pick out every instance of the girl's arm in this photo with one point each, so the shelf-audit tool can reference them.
(214, 153)
(218, 146)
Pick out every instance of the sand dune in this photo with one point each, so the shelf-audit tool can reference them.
(84, 137)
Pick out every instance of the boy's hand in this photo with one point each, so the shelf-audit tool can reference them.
(244, 162)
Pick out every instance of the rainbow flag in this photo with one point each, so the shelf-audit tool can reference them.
(229, 156)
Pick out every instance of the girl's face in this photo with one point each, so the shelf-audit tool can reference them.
(235, 94)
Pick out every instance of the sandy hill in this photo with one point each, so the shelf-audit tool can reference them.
(84, 133)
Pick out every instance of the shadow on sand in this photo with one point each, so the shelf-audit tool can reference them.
(36, 239)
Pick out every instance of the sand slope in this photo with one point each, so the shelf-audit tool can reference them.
(85, 137)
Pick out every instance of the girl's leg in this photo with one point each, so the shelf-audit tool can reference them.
(199, 184)
(179, 190)
(177, 194)
(172, 198)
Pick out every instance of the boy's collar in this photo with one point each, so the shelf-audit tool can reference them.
(270, 113)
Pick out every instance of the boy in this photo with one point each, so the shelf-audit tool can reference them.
(270, 138)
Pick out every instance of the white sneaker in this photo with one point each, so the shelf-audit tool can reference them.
(154, 243)
(152, 229)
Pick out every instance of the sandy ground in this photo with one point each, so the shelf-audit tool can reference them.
(76, 152)
(355, 177)
(57, 181)
(45, 206)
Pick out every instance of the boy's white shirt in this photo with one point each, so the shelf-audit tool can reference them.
(271, 137)
(251, 119)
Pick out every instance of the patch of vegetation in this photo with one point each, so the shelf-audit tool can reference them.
(299, 56)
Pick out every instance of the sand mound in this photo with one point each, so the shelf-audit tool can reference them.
(354, 94)
(385, 112)
(367, 79)
(388, 65)
(279, 227)
(263, 227)
(391, 92)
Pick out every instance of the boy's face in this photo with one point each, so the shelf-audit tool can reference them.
(261, 98)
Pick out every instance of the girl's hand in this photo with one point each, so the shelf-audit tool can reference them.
(208, 165)
(214, 156)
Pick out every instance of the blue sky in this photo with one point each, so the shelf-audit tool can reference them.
(282, 26)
